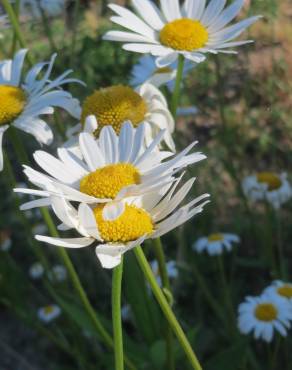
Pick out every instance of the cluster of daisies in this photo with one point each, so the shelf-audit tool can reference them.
(267, 314)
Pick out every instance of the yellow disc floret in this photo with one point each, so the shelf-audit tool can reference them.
(12, 101)
(285, 291)
(106, 182)
(272, 180)
(48, 310)
(113, 106)
(266, 312)
(133, 223)
(184, 34)
(215, 237)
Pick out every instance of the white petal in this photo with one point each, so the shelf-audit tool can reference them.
(66, 243)
(91, 152)
(113, 210)
(88, 221)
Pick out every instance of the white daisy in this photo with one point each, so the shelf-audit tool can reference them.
(280, 288)
(126, 312)
(49, 313)
(191, 30)
(263, 315)
(36, 270)
(122, 225)
(58, 273)
(111, 168)
(268, 186)
(171, 268)
(24, 100)
(146, 71)
(116, 104)
(215, 244)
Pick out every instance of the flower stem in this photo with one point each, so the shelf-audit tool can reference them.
(176, 92)
(165, 307)
(166, 285)
(116, 316)
(16, 27)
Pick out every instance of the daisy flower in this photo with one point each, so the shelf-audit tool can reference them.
(145, 70)
(24, 100)
(272, 187)
(171, 269)
(58, 273)
(49, 313)
(191, 30)
(264, 315)
(122, 225)
(281, 289)
(109, 168)
(116, 104)
(36, 271)
(215, 244)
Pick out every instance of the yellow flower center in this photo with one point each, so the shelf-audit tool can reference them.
(12, 101)
(272, 180)
(48, 309)
(184, 34)
(266, 312)
(285, 291)
(113, 106)
(215, 237)
(106, 182)
(133, 223)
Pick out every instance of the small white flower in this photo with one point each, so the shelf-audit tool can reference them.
(171, 268)
(58, 273)
(215, 244)
(23, 101)
(264, 315)
(49, 313)
(268, 186)
(146, 71)
(126, 312)
(280, 288)
(115, 105)
(192, 30)
(36, 271)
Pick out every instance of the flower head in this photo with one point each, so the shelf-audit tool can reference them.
(192, 29)
(214, 244)
(171, 268)
(109, 168)
(24, 101)
(49, 313)
(117, 104)
(146, 71)
(263, 315)
(281, 289)
(269, 186)
(36, 270)
(58, 273)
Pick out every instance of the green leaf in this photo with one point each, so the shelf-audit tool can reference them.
(230, 359)
(158, 354)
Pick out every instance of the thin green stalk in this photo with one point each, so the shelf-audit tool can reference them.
(15, 25)
(14, 41)
(166, 309)
(116, 316)
(48, 30)
(177, 88)
(166, 286)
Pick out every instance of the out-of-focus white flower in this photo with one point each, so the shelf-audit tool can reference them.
(39, 229)
(126, 312)
(49, 313)
(280, 288)
(268, 186)
(264, 315)
(23, 101)
(36, 271)
(215, 244)
(117, 104)
(146, 71)
(58, 273)
(5, 241)
(171, 268)
(192, 29)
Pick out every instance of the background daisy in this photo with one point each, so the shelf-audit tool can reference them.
(49, 313)
(216, 243)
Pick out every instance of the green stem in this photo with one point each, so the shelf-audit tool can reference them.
(116, 316)
(47, 29)
(165, 307)
(14, 41)
(166, 286)
(176, 92)
(16, 27)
